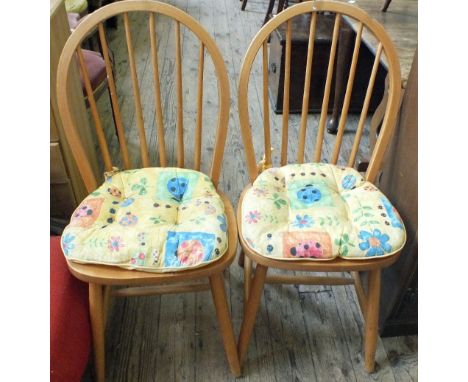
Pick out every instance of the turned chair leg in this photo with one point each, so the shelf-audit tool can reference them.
(225, 324)
(247, 280)
(96, 303)
(372, 320)
(251, 312)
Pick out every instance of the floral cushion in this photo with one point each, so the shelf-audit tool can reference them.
(319, 211)
(152, 219)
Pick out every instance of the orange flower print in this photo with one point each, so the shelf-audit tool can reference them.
(190, 252)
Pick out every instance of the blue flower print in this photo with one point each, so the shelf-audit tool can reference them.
(303, 222)
(392, 213)
(376, 243)
(223, 224)
(67, 244)
(127, 202)
(348, 182)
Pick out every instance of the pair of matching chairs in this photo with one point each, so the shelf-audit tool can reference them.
(155, 230)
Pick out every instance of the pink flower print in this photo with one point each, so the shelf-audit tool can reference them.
(115, 243)
(253, 217)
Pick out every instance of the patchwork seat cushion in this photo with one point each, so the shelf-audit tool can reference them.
(319, 211)
(152, 219)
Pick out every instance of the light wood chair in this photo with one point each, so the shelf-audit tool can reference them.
(369, 302)
(101, 278)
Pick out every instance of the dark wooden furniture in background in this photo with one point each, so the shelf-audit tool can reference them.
(402, 26)
(299, 41)
(66, 185)
(399, 181)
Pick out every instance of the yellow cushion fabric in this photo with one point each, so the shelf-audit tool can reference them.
(319, 211)
(152, 219)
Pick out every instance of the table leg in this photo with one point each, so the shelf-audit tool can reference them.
(269, 13)
(244, 3)
(281, 6)
(385, 6)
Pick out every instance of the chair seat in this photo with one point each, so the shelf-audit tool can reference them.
(152, 219)
(319, 211)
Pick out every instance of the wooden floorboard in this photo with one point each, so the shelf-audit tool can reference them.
(307, 333)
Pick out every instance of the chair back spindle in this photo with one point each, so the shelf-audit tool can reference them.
(305, 98)
(347, 97)
(157, 92)
(287, 82)
(266, 106)
(365, 108)
(326, 95)
(115, 102)
(136, 93)
(94, 112)
(180, 103)
(199, 122)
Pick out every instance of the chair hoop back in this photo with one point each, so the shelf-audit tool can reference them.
(72, 51)
(260, 41)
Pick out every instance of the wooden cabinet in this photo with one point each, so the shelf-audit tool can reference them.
(322, 44)
(399, 181)
(66, 186)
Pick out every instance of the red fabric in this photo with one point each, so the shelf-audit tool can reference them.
(70, 329)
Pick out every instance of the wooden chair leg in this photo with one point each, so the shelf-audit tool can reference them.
(225, 324)
(96, 303)
(251, 312)
(247, 280)
(372, 319)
